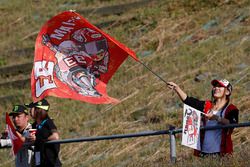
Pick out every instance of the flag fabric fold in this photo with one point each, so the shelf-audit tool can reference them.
(17, 143)
(74, 59)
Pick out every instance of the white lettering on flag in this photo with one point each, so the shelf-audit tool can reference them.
(191, 127)
(43, 72)
(60, 33)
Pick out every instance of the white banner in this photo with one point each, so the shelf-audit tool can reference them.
(191, 127)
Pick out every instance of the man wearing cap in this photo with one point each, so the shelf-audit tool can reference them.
(45, 154)
(20, 117)
(218, 111)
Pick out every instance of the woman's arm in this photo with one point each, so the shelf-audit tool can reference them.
(191, 101)
(222, 121)
(182, 95)
(54, 136)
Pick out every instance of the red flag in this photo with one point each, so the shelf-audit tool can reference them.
(74, 59)
(15, 139)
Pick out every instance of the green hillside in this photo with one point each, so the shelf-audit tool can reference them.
(189, 42)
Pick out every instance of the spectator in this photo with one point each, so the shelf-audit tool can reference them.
(20, 117)
(217, 111)
(46, 155)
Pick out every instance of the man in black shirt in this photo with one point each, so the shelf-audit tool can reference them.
(45, 154)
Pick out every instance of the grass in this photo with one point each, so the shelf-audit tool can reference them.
(180, 48)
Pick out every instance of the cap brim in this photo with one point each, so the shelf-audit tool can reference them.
(43, 107)
(215, 82)
(17, 113)
(14, 113)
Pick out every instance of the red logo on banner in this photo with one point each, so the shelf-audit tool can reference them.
(17, 143)
(74, 59)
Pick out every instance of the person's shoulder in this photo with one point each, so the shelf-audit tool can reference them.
(50, 120)
(29, 126)
(50, 123)
(26, 130)
(232, 107)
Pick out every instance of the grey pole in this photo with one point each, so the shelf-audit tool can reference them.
(172, 144)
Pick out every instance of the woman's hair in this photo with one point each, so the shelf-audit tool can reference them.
(41, 113)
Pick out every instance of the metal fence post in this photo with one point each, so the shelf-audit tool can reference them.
(172, 144)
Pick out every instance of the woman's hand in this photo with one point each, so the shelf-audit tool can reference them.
(172, 85)
(211, 116)
(177, 89)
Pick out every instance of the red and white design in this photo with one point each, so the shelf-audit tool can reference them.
(74, 59)
(17, 143)
(191, 127)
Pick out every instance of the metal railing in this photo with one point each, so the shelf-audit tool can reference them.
(171, 132)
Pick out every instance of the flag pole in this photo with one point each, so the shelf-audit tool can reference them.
(153, 72)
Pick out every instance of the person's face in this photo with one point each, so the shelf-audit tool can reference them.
(219, 91)
(39, 113)
(20, 120)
